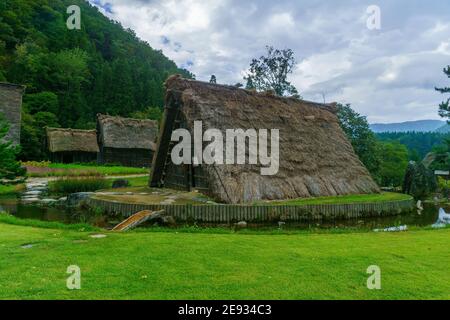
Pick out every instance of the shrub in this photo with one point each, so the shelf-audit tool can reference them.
(37, 164)
(73, 185)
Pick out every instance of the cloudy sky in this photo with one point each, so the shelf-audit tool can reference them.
(388, 74)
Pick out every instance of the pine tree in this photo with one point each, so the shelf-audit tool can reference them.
(444, 107)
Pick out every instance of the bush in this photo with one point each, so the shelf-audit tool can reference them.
(67, 186)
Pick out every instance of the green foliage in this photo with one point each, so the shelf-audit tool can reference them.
(213, 79)
(67, 186)
(10, 168)
(441, 156)
(361, 137)
(444, 107)
(419, 144)
(394, 160)
(152, 113)
(270, 72)
(33, 134)
(11, 189)
(419, 181)
(41, 102)
(75, 74)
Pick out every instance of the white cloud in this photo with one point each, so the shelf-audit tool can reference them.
(388, 75)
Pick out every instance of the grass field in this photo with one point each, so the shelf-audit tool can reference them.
(45, 169)
(177, 265)
(357, 198)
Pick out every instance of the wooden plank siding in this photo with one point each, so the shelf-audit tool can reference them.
(260, 213)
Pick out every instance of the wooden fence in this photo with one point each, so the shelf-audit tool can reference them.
(260, 213)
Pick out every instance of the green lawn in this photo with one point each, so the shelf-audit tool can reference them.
(58, 169)
(177, 265)
(355, 198)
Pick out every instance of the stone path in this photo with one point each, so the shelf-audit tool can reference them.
(35, 190)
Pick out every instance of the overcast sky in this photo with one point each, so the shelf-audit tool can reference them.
(388, 75)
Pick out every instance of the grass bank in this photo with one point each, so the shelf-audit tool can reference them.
(11, 189)
(47, 169)
(171, 265)
(348, 199)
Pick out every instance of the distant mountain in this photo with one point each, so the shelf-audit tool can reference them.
(444, 129)
(417, 126)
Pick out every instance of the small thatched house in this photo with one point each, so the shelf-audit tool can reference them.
(129, 142)
(71, 145)
(11, 108)
(315, 157)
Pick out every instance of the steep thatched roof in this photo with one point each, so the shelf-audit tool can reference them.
(316, 159)
(72, 140)
(126, 133)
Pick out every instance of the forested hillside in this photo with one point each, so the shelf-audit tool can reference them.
(418, 143)
(71, 75)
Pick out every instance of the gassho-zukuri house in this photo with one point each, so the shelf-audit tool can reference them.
(315, 157)
(126, 141)
(72, 145)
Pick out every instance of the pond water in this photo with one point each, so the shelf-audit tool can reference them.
(11, 205)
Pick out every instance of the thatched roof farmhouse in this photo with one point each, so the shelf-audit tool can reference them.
(11, 108)
(315, 157)
(130, 142)
(71, 145)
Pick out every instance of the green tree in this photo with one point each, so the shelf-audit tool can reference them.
(270, 72)
(419, 144)
(9, 166)
(394, 160)
(70, 73)
(33, 136)
(42, 101)
(152, 113)
(102, 68)
(444, 107)
(213, 79)
(361, 137)
(441, 155)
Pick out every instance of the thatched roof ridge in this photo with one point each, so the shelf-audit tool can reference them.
(72, 140)
(13, 86)
(127, 133)
(316, 158)
(176, 82)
